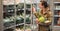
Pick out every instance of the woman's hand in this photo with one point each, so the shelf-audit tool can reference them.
(37, 21)
(33, 9)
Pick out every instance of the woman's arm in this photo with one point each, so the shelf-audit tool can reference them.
(37, 21)
(35, 13)
(34, 10)
(49, 17)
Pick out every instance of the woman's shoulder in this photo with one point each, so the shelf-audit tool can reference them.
(50, 11)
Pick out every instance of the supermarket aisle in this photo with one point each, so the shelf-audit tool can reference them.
(16, 15)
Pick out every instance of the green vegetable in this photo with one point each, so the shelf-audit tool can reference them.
(41, 19)
(19, 20)
(28, 20)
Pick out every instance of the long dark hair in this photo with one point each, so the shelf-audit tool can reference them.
(44, 3)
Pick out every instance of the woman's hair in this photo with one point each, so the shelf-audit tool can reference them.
(44, 3)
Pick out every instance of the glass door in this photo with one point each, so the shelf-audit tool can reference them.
(57, 14)
(8, 15)
(18, 15)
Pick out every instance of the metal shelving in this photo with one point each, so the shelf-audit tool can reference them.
(11, 13)
(15, 15)
(56, 15)
(56, 9)
(56, 4)
(14, 26)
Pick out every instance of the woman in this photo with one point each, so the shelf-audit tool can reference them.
(46, 13)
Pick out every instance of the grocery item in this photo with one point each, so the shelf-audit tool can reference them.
(59, 13)
(58, 21)
(28, 20)
(28, 29)
(6, 20)
(18, 30)
(19, 20)
(33, 27)
(10, 29)
(41, 19)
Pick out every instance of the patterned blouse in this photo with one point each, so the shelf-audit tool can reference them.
(47, 15)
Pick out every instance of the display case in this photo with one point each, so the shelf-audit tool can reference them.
(56, 17)
(57, 13)
(18, 15)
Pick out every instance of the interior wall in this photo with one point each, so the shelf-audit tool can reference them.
(1, 15)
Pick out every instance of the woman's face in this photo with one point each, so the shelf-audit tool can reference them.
(40, 5)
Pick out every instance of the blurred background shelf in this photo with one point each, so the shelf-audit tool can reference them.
(56, 26)
(56, 22)
(14, 25)
(57, 9)
(56, 2)
(56, 15)
(17, 9)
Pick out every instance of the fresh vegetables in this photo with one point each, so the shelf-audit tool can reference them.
(21, 28)
(41, 19)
